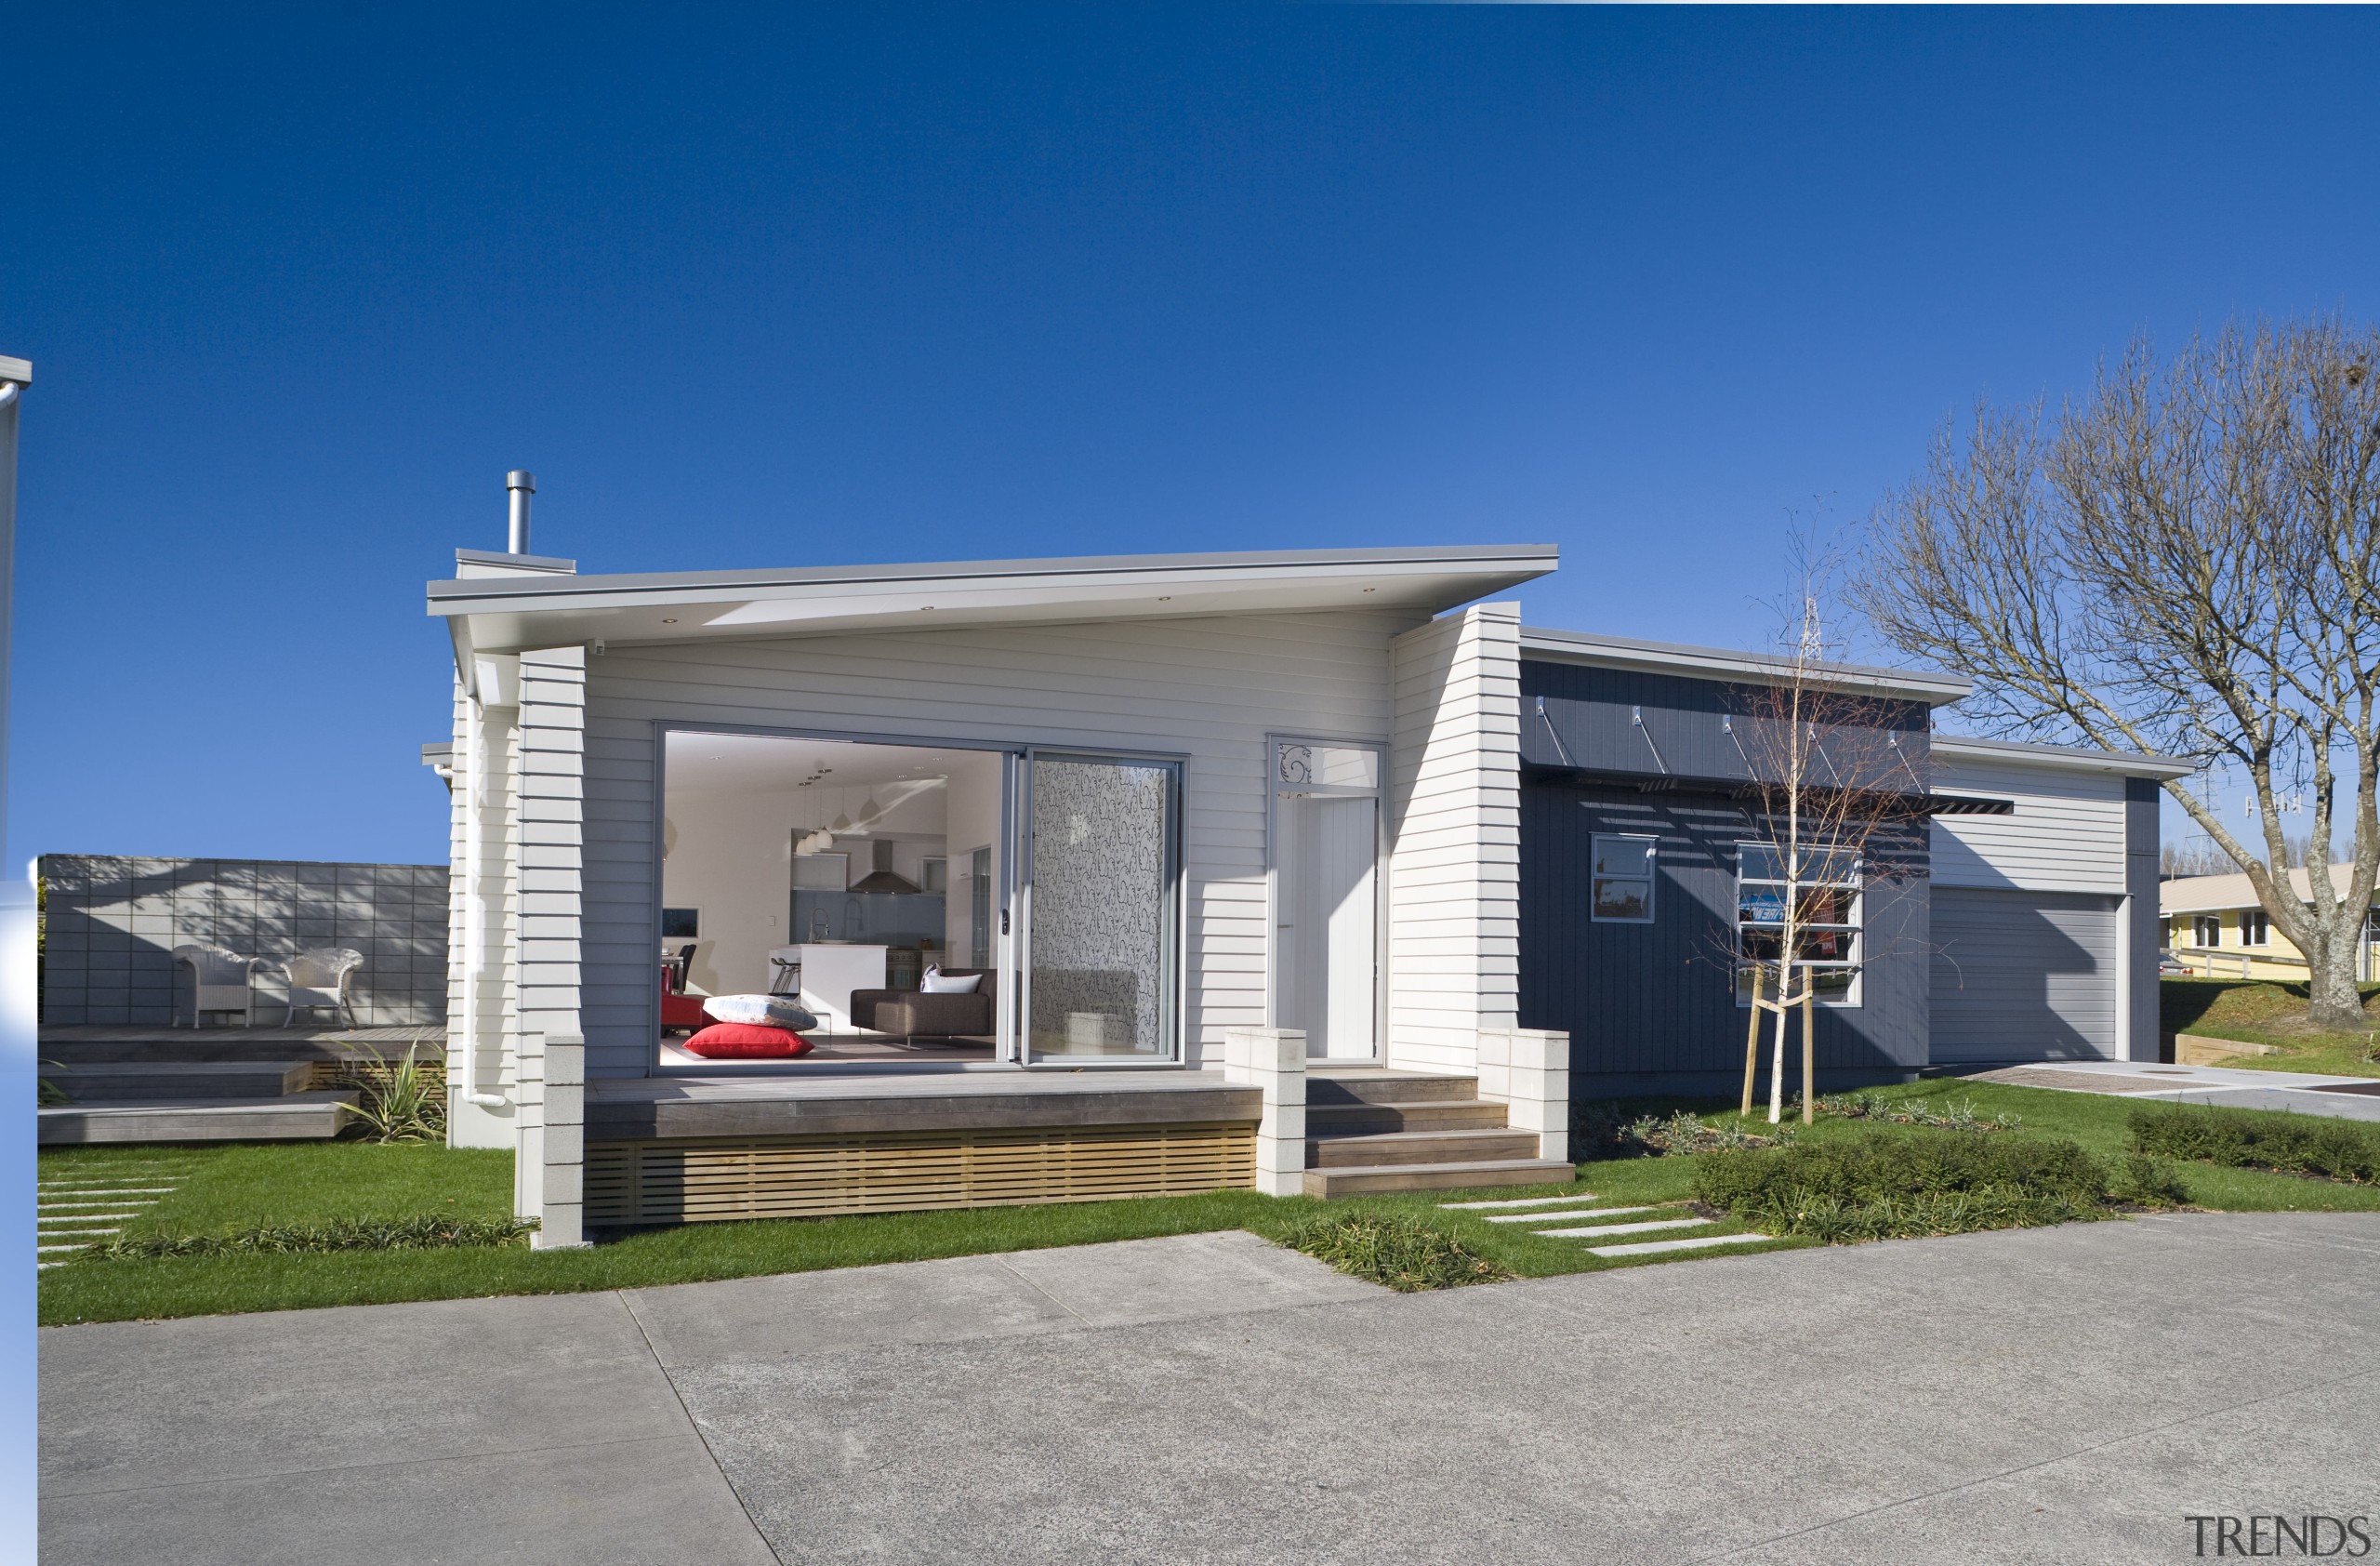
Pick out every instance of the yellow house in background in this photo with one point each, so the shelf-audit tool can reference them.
(2214, 924)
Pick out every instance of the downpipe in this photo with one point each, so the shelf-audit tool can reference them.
(475, 747)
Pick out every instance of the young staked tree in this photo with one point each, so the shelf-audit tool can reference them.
(2188, 560)
(1833, 787)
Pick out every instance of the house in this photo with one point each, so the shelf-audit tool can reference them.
(2217, 926)
(1294, 870)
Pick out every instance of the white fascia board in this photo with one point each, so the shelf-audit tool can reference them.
(18, 370)
(519, 612)
(1719, 663)
(2074, 758)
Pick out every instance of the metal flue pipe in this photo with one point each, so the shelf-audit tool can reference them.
(521, 483)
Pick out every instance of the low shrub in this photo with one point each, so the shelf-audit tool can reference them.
(429, 1232)
(1886, 1185)
(2337, 1149)
(1402, 1254)
(1596, 1132)
(400, 1100)
(1959, 1114)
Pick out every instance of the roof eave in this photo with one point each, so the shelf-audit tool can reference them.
(2069, 757)
(1721, 663)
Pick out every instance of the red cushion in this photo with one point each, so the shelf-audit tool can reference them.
(746, 1041)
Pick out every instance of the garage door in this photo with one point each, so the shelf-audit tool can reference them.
(2023, 975)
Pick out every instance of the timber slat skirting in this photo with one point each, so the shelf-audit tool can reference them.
(717, 1179)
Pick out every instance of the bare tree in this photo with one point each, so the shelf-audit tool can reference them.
(2185, 560)
(1831, 778)
(2189, 858)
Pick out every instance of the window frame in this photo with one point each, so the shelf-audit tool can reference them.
(1595, 878)
(1856, 927)
(2260, 934)
(2206, 931)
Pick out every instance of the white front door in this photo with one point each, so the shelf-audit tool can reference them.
(1327, 935)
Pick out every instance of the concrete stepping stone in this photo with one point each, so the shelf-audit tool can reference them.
(1517, 1202)
(1595, 1231)
(1696, 1242)
(1557, 1217)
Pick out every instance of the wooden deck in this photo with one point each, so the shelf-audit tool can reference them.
(894, 1098)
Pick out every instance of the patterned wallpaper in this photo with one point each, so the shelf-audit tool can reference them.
(1101, 908)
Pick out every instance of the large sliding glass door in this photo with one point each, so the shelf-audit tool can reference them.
(1101, 894)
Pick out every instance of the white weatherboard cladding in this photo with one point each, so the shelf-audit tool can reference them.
(2065, 835)
(1454, 826)
(1210, 690)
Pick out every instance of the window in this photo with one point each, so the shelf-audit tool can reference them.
(2256, 928)
(1623, 880)
(1827, 926)
(2206, 929)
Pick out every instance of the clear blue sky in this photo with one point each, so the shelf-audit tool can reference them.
(879, 285)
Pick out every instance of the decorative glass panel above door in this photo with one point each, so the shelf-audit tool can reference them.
(1297, 764)
(1100, 965)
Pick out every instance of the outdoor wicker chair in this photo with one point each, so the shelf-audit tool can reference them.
(221, 980)
(320, 977)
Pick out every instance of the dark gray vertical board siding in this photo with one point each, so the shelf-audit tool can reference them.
(2143, 827)
(1588, 722)
(1659, 1000)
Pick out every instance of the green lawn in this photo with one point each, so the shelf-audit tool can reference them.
(230, 1185)
(2267, 1011)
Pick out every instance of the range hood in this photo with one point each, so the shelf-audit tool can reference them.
(882, 878)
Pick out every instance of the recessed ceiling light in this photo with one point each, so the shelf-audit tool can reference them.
(1371, 590)
(1165, 598)
(668, 621)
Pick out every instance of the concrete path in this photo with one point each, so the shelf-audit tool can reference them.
(2354, 1098)
(2069, 1394)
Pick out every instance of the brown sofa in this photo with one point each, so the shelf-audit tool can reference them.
(914, 1015)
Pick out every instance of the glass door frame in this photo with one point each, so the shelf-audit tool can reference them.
(1274, 787)
(1017, 1018)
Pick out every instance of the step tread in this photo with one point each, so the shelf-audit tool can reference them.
(1378, 1086)
(113, 1081)
(297, 1116)
(1458, 1145)
(1439, 1176)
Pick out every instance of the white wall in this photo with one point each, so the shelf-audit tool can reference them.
(2066, 833)
(974, 821)
(730, 857)
(1454, 826)
(1210, 689)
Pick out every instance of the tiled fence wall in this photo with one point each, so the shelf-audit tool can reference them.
(112, 924)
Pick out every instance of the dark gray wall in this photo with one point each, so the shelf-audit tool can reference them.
(1651, 1008)
(112, 924)
(2143, 827)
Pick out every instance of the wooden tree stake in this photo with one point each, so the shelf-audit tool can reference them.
(1751, 1043)
(1809, 1055)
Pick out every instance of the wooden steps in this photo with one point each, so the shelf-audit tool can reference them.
(108, 1081)
(163, 1099)
(1371, 1130)
(296, 1116)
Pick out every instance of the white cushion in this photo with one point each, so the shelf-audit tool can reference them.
(773, 1011)
(937, 982)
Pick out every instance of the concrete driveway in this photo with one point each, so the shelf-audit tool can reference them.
(2071, 1394)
